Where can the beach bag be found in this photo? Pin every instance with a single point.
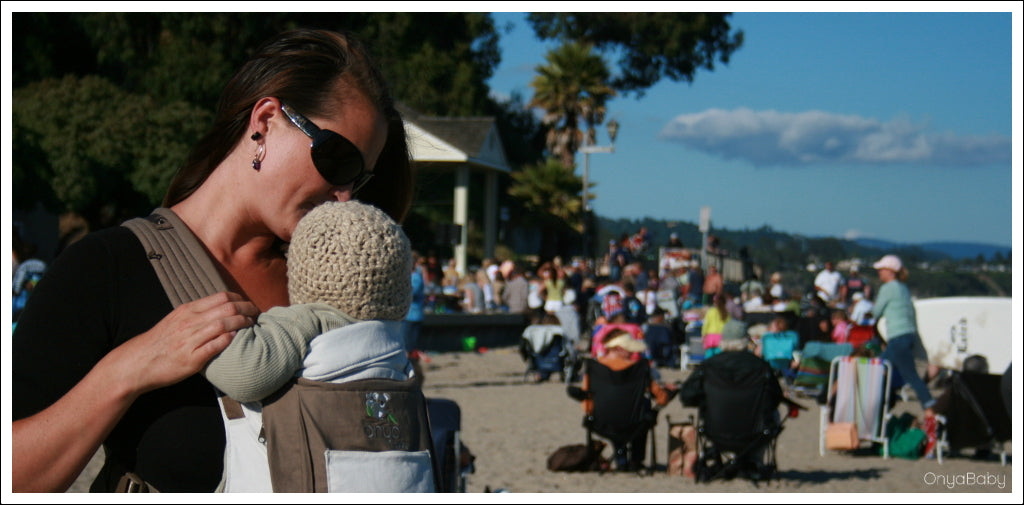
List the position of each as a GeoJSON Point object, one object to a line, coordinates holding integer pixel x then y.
{"type": "Point", "coordinates": [577, 458]}
{"type": "Point", "coordinates": [841, 437]}
{"type": "Point", "coordinates": [905, 440]}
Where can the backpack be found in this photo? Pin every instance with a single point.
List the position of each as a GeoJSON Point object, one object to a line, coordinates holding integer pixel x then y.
{"type": "Point", "coordinates": [285, 443]}
{"type": "Point", "coordinates": [905, 439]}
{"type": "Point", "coordinates": [578, 458]}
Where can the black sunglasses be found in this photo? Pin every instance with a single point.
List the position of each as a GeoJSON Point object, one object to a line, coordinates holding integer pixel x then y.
{"type": "Point", "coordinates": [336, 158]}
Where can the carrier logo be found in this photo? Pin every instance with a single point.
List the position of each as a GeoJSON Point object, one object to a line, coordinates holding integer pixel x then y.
{"type": "Point", "coordinates": [381, 423]}
{"type": "Point", "coordinates": [377, 407]}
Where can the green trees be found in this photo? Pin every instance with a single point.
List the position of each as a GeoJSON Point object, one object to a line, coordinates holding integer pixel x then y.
{"type": "Point", "coordinates": [651, 45]}
{"type": "Point", "coordinates": [548, 189]}
{"type": "Point", "coordinates": [86, 146]}
{"type": "Point", "coordinates": [550, 196]}
{"type": "Point", "coordinates": [107, 105]}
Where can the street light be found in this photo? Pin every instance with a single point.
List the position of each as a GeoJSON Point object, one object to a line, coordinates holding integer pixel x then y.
{"type": "Point", "coordinates": [613, 131]}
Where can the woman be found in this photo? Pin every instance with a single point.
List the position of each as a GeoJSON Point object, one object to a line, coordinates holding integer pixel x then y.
{"type": "Point", "coordinates": [894, 304]}
{"type": "Point", "coordinates": [124, 374]}
{"type": "Point", "coordinates": [554, 282]}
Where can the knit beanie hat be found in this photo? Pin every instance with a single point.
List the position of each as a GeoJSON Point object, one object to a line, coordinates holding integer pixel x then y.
{"type": "Point", "coordinates": [354, 257]}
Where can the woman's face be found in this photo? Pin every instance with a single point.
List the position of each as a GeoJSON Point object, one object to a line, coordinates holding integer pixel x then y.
{"type": "Point", "coordinates": [291, 184]}
{"type": "Point", "coordinates": [886, 275]}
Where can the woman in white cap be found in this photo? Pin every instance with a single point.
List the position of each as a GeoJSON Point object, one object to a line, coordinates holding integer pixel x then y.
{"type": "Point", "coordinates": [895, 305]}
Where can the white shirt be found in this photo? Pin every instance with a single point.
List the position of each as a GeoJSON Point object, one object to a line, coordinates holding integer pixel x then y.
{"type": "Point", "coordinates": [828, 283]}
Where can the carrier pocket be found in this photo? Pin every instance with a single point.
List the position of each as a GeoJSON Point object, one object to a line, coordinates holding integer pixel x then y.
{"type": "Point", "coordinates": [379, 472]}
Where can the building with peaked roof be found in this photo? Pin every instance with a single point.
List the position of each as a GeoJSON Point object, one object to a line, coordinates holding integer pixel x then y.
{"type": "Point", "coordinates": [461, 147]}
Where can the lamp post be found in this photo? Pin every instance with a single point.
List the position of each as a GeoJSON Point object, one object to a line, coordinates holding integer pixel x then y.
{"type": "Point", "coordinates": [613, 130]}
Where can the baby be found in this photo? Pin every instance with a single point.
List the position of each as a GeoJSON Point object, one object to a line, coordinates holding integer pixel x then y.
{"type": "Point", "coordinates": [327, 379]}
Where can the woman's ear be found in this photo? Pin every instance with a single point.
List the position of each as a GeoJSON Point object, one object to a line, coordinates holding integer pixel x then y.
{"type": "Point", "coordinates": [266, 108]}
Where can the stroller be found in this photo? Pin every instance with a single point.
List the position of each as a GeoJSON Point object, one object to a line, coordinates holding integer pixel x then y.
{"type": "Point", "coordinates": [975, 416]}
{"type": "Point", "coordinates": [738, 422]}
{"type": "Point", "coordinates": [546, 350]}
{"type": "Point", "coordinates": [454, 461]}
{"type": "Point", "coordinates": [623, 413]}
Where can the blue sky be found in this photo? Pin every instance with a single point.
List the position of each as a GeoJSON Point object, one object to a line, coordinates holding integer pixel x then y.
{"type": "Point", "coordinates": [888, 125]}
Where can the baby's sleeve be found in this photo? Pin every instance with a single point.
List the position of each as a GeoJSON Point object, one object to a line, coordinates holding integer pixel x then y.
{"type": "Point", "coordinates": [263, 357]}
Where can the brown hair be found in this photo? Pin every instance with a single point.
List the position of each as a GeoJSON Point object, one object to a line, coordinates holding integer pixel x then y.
{"type": "Point", "coordinates": [305, 68]}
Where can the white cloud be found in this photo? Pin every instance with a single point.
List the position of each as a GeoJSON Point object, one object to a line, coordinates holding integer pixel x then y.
{"type": "Point", "coordinates": [772, 138]}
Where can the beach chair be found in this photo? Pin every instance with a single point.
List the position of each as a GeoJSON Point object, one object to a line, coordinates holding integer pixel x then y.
{"type": "Point", "coordinates": [815, 361]}
{"type": "Point", "coordinates": [737, 396]}
{"type": "Point", "coordinates": [454, 462]}
{"type": "Point", "coordinates": [975, 416]}
{"type": "Point", "coordinates": [858, 395]}
{"type": "Point", "coordinates": [777, 349]}
{"type": "Point", "coordinates": [860, 334]}
{"type": "Point", "coordinates": [622, 409]}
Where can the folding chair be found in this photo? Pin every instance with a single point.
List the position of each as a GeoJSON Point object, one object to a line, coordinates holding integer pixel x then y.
{"type": "Point", "coordinates": [738, 396]}
{"type": "Point", "coordinates": [622, 409]}
{"type": "Point", "coordinates": [858, 393]}
{"type": "Point", "coordinates": [815, 362]}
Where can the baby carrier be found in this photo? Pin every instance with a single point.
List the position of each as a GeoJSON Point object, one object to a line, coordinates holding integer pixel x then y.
{"type": "Point", "coordinates": [360, 436]}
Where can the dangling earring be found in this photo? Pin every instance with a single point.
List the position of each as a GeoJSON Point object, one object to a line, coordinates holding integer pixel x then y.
{"type": "Point", "coordinates": [256, 161]}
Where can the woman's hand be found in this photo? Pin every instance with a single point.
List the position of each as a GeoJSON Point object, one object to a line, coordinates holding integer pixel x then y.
{"type": "Point", "coordinates": [52, 447]}
{"type": "Point", "coordinates": [182, 342]}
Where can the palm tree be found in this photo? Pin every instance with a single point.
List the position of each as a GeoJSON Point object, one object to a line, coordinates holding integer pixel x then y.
{"type": "Point", "coordinates": [550, 196]}
{"type": "Point", "coordinates": [572, 88]}
{"type": "Point", "coordinates": [546, 188]}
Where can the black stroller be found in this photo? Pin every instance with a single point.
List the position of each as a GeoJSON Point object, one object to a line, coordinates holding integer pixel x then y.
{"type": "Point", "coordinates": [546, 350]}
{"type": "Point", "coordinates": [738, 397]}
{"type": "Point", "coordinates": [454, 461]}
{"type": "Point", "coordinates": [974, 416]}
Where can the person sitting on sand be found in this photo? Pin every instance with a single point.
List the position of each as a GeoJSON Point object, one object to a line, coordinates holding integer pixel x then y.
{"type": "Point", "coordinates": [622, 350]}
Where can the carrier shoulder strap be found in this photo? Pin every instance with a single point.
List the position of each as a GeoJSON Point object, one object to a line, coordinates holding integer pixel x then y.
{"type": "Point", "coordinates": [181, 262]}
{"type": "Point", "coordinates": [185, 271]}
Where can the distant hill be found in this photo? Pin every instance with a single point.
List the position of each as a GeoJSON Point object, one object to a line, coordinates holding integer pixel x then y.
{"type": "Point", "coordinates": [954, 250]}
{"type": "Point", "coordinates": [779, 250]}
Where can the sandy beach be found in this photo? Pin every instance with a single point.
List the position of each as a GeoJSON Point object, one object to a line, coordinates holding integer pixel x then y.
{"type": "Point", "coordinates": [512, 426]}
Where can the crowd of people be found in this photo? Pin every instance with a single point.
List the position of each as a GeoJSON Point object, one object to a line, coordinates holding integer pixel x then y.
{"type": "Point", "coordinates": [663, 308]}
